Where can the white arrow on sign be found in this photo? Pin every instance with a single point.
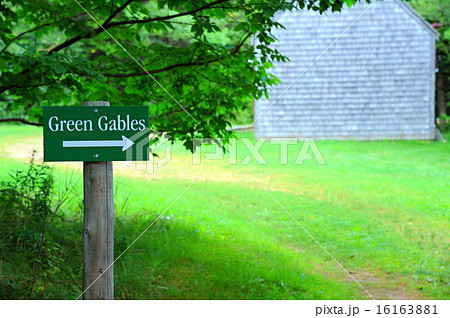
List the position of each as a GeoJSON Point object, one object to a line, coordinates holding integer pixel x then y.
{"type": "Point", "coordinates": [125, 143]}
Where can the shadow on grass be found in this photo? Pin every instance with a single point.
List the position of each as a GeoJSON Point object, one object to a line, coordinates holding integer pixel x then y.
{"type": "Point", "coordinates": [176, 261]}
{"type": "Point", "coordinates": [170, 261]}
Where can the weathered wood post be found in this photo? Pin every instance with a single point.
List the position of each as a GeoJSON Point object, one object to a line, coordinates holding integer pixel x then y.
{"type": "Point", "coordinates": [98, 239]}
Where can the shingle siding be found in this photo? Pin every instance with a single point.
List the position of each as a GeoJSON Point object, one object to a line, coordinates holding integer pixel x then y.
{"type": "Point", "coordinates": [375, 82]}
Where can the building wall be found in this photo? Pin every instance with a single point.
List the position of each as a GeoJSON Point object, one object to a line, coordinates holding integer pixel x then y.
{"type": "Point", "coordinates": [375, 82]}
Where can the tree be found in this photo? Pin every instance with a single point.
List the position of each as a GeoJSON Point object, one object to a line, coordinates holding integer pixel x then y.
{"type": "Point", "coordinates": [191, 62]}
{"type": "Point", "coordinates": [437, 12]}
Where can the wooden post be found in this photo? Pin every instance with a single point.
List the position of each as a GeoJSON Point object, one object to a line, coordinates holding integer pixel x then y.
{"type": "Point", "coordinates": [98, 243]}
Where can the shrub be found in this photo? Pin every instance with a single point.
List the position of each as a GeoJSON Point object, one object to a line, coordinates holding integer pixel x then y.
{"type": "Point", "coordinates": [27, 209]}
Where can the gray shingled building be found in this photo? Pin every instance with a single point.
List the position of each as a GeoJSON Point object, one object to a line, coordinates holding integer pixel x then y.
{"type": "Point", "coordinates": [374, 82]}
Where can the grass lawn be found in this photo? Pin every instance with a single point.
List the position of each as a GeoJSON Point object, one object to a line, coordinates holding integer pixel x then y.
{"type": "Point", "coordinates": [380, 208]}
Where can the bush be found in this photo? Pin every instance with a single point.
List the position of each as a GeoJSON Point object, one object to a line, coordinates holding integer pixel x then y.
{"type": "Point", "coordinates": [25, 205]}
{"type": "Point", "coordinates": [445, 122]}
{"type": "Point", "coordinates": [27, 209]}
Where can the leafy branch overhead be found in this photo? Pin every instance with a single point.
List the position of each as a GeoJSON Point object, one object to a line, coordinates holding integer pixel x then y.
{"type": "Point", "coordinates": [54, 53]}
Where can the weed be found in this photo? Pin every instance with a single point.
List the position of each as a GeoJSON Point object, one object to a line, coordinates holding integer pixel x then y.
{"type": "Point", "coordinates": [27, 209]}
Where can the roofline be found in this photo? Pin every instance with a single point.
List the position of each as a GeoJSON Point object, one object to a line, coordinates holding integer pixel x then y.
{"type": "Point", "coordinates": [418, 17]}
{"type": "Point", "coordinates": [408, 9]}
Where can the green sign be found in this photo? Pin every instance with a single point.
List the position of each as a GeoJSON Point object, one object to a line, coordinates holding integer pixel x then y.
{"type": "Point", "coordinates": [91, 133]}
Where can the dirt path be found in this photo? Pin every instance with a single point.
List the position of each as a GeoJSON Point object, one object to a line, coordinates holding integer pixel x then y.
{"type": "Point", "coordinates": [385, 286]}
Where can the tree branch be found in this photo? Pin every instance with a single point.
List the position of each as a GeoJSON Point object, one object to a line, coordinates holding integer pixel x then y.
{"type": "Point", "coordinates": [205, 78]}
{"type": "Point", "coordinates": [168, 17]}
{"type": "Point", "coordinates": [119, 9]}
{"type": "Point", "coordinates": [21, 120]}
{"type": "Point", "coordinates": [16, 85]}
{"type": "Point", "coordinates": [108, 25]}
{"type": "Point", "coordinates": [178, 110]}
{"type": "Point", "coordinates": [73, 40]}
{"type": "Point", "coordinates": [167, 68]}
{"type": "Point", "coordinates": [175, 111]}
{"type": "Point", "coordinates": [6, 88]}
{"type": "Point", "coordinates": [37, 28]}
{"type": "Point", "coordinates": [235, 50]}
{"type": "Point", "coordinates": [238, 47]}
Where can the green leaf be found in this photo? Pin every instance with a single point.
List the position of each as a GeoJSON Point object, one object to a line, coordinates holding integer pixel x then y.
{"type": "Point", "coordinates": [58, 68]}
{"type": "Point", "coordinates": [191, 57]}
{"type": "Point", "coordinates": [350, 3]}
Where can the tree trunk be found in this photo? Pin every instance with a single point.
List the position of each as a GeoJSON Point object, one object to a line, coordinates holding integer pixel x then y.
{"type": "Point", "coordinates": [440, 96]}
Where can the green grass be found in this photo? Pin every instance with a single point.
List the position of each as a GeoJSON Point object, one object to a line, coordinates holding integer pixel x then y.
{"type": "Point", "coordinates": [380, 208]}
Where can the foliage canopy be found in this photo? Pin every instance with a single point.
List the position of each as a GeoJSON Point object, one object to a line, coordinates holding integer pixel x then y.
{"type": "Point", "coordinates": [174, 56]}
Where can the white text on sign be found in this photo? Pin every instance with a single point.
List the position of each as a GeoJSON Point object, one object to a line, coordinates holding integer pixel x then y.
{"type": "Point", "coordinates": [103, 123]}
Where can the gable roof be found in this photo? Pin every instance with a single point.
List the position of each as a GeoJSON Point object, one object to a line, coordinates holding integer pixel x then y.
{"type": "Point", "coordinates": [406, 8]}
{"type": "Point", "coordinates": [413, 14]}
